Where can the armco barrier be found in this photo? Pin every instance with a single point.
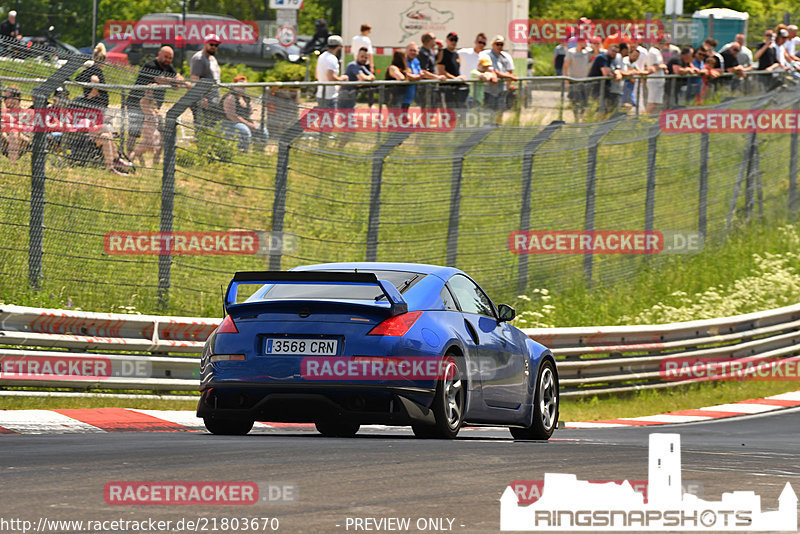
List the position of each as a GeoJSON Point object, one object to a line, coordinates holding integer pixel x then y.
{"type": "Point", "coordinates": [591, 360]}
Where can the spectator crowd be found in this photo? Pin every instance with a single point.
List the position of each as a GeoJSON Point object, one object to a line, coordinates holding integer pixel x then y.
{"type": "Point", "coordinates": [628, 75]}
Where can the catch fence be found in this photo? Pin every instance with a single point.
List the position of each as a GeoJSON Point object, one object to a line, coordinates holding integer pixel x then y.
{"type": "Point", "coordinates": [444, 197]}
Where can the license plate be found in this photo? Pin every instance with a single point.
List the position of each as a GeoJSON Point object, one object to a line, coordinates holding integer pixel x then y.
{"type": "Point", "coordinates": [302, 347]}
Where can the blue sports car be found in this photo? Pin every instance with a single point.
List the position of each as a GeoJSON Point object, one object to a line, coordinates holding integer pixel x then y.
{"type": "Point", "coordinates": [346, 344]}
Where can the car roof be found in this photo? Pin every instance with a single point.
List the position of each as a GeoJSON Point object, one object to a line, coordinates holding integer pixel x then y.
{"type": "Point", "coordinates": [441, 272]}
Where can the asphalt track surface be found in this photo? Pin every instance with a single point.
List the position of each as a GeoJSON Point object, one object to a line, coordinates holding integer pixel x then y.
{"type": "Point", "coordinates": [380, 473]}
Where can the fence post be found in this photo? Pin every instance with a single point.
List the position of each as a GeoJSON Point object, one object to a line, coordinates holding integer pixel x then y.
{"type": "Point", "coordinates": [744, 168]}
{"type": "Point", "coordinates": [650, 195]}
{"type": "Point", "coordinates": [41, 94]}
{"type": "Point", "coordinates": [749, 188]}
{"type": "Point", "coordinates": [527, 190]}
{"type": "Point", "coordinates": [561, 101]}
{"type": "Point", "coordinates": [378, 156]}
{"type": "Point", "coordinates": [591, 180]}
{"type": "Point", "coordinates": [702, 216]}
{"type": "Point", "coordinates": [281, 182]}
{"type": "Point", "coordinates": [793, 168]}
{"type": "Point", "coordinates": [191, 97]}
{"type": "Point", "coordinates": [455, 189]}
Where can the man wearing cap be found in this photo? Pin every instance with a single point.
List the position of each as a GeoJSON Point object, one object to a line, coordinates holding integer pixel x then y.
{"type": "Point", "coordinates": [503, 66]}
{"type": "Point", "coordinates": [484, 73]}
{"type": "Point", "coordinates": [449, 67]}
{"type": "Point", "coordinates": [204, 66]}
{"type": "Point", "coordinates": [327, 71]}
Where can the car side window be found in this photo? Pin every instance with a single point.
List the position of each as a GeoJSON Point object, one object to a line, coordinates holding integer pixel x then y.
{"type": "Point", "coordinates": [447, 298]}
{"type": "Point", "coordinates": [470, 297]}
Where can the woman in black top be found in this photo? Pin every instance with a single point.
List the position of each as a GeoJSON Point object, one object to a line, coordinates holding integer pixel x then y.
{"type": "Point", "coordinates": [396, 71]}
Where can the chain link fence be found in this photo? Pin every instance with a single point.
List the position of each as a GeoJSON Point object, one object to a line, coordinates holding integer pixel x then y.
{"type": "Point", "coordinates": [171, 166]}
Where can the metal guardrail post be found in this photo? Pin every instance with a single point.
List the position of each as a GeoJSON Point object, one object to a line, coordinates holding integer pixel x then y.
{"type": "Point", "coordinates": [281, 183]}
{"type": "Point", "coordinates": [650, 195]}
{"type": "Point", "coordinates": [527, 190]}
{"type": "Point", "coordinates": [702, 208]}
{"type": "Point", "coordinates": [168, 181]}
{"type": "Point", "coordinates": [793, 201]}
{"type": "Point", "coordinates": [378, 156]}
{"type": "Point", "coordinates": [41, 94]}
{"type": "Point", "coordinates": [455, 189]}
{"type": "Point", "coordinates": [561, 101]}
{"type": "Point", "coordinates": [591, 180]}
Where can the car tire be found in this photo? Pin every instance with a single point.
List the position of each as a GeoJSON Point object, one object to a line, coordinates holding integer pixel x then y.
{"type": "Point", "coordinates": [337, 429]}
{"type": "Point", "coordinates": [449, 403]}
{"type": "Point", "coordinates": [221, 427]}
{"type": "Point", "coordinates": [545, 406]}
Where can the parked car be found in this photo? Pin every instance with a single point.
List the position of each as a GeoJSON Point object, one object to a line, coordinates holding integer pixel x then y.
{"type": "Point", "coordinates": [47, 44]}
{"type": "Point", "coordinates": [464, 363]}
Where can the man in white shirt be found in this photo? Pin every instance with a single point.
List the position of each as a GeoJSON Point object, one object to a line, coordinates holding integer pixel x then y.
{"type": "Point", "coordinates": [328, 71]}
{"type": "Point", "coordinates": [576, 65]}
{"type": "Point", "coordinates": [362, 40]}
{"type": "Point", "coordinates": [468, 57]}
{"type": "Point", "coordinates": [655, 65]}
{"type": "Point", "coordinates": [793, 41]}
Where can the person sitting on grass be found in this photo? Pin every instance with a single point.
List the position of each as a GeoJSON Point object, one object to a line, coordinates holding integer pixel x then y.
{"type": "Point", "coordinates": [15, 141]}
{"type": "Point", "coordinates": [238, 110]}
{"type": "Point", "coordinates": [102, 135]}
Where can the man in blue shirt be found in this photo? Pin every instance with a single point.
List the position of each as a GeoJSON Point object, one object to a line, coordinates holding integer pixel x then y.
{"type": "Point", "coordinates": [413, 74]}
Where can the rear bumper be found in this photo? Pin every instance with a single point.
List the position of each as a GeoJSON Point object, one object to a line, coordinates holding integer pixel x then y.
{"type": "Point", "coordinates": [311, 403]}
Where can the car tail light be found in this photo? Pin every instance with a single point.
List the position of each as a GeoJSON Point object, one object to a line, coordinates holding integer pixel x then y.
{"type": "Point", "coordinates": [227, 326]}
{"type": "Point", "coordinates": [396, 326]}
{"type": "Point", "coordinates": [228, 358]}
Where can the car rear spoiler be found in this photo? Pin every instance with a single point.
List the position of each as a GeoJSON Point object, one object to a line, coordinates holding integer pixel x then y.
{"type": "Point", "coordinates": [397, 304]}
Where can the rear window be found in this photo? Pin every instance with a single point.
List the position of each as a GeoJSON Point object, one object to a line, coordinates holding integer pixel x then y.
{"type": "Point", "coordinates": [400, 279]}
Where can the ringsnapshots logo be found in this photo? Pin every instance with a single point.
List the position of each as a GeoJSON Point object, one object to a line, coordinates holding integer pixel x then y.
{"type": "Point", "coordinates": [557, 31]}
{"type": "Point", "coordinates": [51, 120]}
{"type": "Point", "coordinates": [730, 121]}
{"type": "Point", "coordinates": [604, 242]}
{"type": "Point", "coordinates": [325, 120]}
{"type": "Point", "coordinates": [193, 243]}
{"type": "Point", "coordinates": [176, 32]}
{"type": "Point", "coordinates": [569, 504]}
{"type": "Point", "coordinates": [754, 368]}
{"type": "Point", "coordinates": [530, 491]}
{"type": "Point", "coordinates": [199, 493]}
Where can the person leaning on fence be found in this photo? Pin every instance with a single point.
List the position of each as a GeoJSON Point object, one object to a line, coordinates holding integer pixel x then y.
{"type": "Point", "coordinates": [237, 107]}
{"type": "Point", "coordinates": [680, 65]}
{"type": "Point", "coordinates": [448, 66]}
{"type": "Point", "coordinates": [484, 74]}
{"type": "Point", "coordinates": [656, 68]}
{"type": "Point", "coordinates": [396, 72]}
{"type": "Point", "coordinates": [95, 68]}
{"type": "Point", "coordinates": [100, 136]}
{"type": "Point", "coordinates": [500, 94]}
{"type": "Point", "coordinates": [14, 141]}
{"type": "Point", "coordinates": [745, 56]}
{"type": "Point", "coordinates": [204, 66]}
{"type": "Point", "coordinates": [357, 71]}
{"type": "Point", "coordinates": [157, 71]}
{"type": "Point", "coordinates": [150, 140]}
{"type": "Point", "coordinates": [427, 63]}
{"type": "Point", "coordinates": [710, 75]}
{"type": "Point", "coordinates": [468, 57]}
{"type": "Point", "coordinates": [632, 65]}
{"type": "Point", "coordinates": [328, 71]}
{"type": "Point", "coordinates": [603, 67]}
{"type": "Point", "coordinates": [413, 74]}
{"type": "Point", "coordinates": [576, 65]}
{"type": "Point", "coordinates": [730, 58]}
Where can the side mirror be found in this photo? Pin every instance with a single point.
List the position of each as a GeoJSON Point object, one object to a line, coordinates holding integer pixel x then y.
{"type": "Point", "coordinates": [506, 313]}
